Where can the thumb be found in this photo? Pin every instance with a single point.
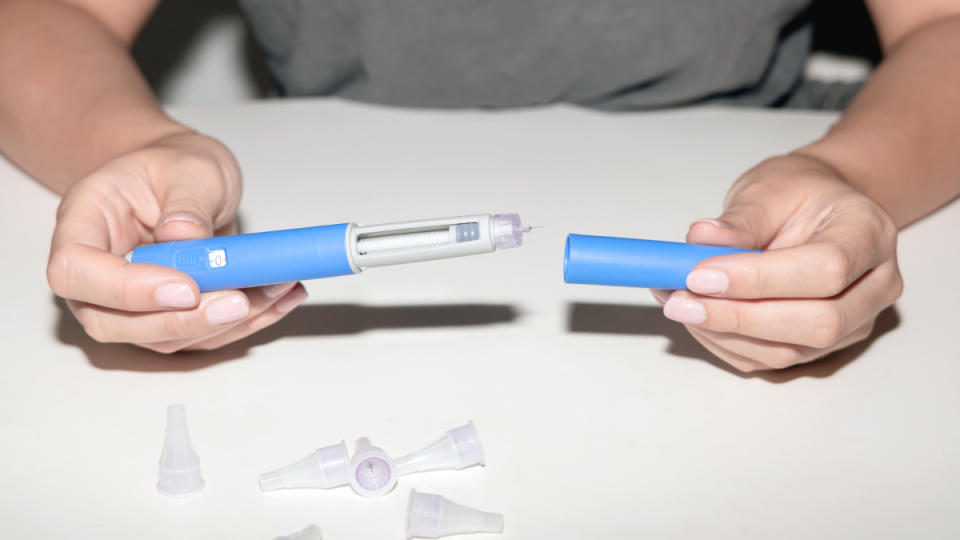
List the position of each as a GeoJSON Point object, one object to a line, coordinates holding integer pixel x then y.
{"type": "Point", "coordinates": [192, 198]}
{"type": "Point", "coordinates": [180, 225]}
{"type": "Point", "coordinates": [743, 225]}
{"type": "Point", "coordinates": [762, 201]}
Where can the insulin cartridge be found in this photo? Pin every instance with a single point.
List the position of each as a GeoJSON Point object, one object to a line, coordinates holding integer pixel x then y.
{"type": "Point", "coordinates": [250, 260]}
{"type": "Point", "coordinates": [631, 262]}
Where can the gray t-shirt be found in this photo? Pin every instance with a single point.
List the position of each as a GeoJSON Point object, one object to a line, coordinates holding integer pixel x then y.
{"type": "Point", "coordinates": [615, 54]}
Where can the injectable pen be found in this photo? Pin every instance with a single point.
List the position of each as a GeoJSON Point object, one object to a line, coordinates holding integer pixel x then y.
{"type": "Point", "coordinates": [250, 260]}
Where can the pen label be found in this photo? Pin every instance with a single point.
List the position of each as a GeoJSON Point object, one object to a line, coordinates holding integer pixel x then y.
{"type": "Point", "coordinates": [195, 260]}
{"type": "Point", "coordinates": [217, 258]}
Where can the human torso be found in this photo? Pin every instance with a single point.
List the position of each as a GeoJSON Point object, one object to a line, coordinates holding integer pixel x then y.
{"type": "Point", "coordinates": [507, 53]}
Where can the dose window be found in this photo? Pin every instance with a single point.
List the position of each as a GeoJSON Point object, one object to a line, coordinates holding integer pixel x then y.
{"type": "Point", "coordinates": [218, 258]}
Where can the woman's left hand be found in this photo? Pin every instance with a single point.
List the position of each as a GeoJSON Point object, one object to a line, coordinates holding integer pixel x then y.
{"type": "Point", "coordinates": [829, 268]}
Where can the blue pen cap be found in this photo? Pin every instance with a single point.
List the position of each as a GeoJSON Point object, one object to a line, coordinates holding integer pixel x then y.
{"type": "Point", "coordinates": [632, 262]}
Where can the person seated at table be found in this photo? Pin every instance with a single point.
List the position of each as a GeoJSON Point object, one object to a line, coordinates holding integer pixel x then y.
{"type": "Point", "coordinates": [76, 114]}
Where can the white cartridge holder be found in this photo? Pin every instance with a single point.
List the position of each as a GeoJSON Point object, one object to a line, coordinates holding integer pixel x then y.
{"type": "Point", "coordinates": [326, 468]}
{"type": "Point", "coordinates": [456, 449]}
{"type": "Point", "coordinates": [430, 239]}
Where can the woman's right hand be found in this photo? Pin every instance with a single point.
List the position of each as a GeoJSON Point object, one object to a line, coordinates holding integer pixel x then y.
{"type": "Point", "coordinates": [180, 187]}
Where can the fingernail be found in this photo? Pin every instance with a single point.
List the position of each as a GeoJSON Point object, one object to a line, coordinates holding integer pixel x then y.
{"type": "Point", "coordinates": [711, 221]}
{"type": "Point", "coordinates": [661, 295]}
{"type": "Point", "coordinates": [181, 216]}
{"type": "Point", "coordinates": [707, 281]}
{"type": "Point", "coordinates": [685, 310]}
{"type": "Point", "coordinates": [228, 309]}
{"type": "Point", "coordinates": [175, 295]}
{"type": "Point", "coordinates": [293, 299]}
{"type": "Point", "coordinates": [273, 291]}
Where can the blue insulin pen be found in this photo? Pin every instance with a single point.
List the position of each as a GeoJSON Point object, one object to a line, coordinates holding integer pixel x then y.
{"type": "Point", "coordinates": [631, 262]}
{"type": "Point", "coordinates": [251, 260]}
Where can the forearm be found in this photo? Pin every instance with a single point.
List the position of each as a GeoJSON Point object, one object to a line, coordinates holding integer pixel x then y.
{"type": "Point", "coordinates": [71, 98]}
{"type": "Point", "coordinates": [899, 141]}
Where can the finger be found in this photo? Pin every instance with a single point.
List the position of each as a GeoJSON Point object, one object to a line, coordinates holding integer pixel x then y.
{"type": "Point", "coordinates": [751, 219]}
{"type": "Point", "coordinates": [266, 309]}
{"type": "Point", "coordinates": [83, 267]}
{"type": "Point", "coordinates": [261, 300]}
{"type": "Point", "coordinates": [739, 362]}
{"type": "Point", "coordinates": [834, 258]}
{"type": "Point", "coordinates": [818, 323]}
{"type": "Point", "coordinates": [87, 274]}
{"type": "Point", "coordinates": [195, 198]}
{"type": "Point", "coordinates": [661, 295]}
{"type": "Point", "coordinates": [279, 310]}
{"type": "Point", "coordinates": [216, 311]}
{"type": "Point", "coordinates": [741, 351]}
{"type": "Point", "coordinates": [759, 204]}
{"type": "Point", "coordinates": [715, 232]}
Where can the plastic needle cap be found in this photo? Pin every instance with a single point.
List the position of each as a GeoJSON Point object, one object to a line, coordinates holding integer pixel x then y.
{"type": "Point", "coordinates": [456, 449]}
{"type": "Point", "coordinates": [372, 472]}
{"type": "Point", "coordinates": [179, 465]}
{"type": "Point", "coordinates": [433, 516]}
{"type": "Point", "coordinates": [328, 467]}
{"type": "Point", "coordinates": [508, 231]}
{"type": "Point", "coordinates": [312, 532]}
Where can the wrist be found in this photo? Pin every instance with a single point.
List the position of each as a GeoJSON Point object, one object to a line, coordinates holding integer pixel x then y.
{"type": "Point", "coordinates": [851, 165]}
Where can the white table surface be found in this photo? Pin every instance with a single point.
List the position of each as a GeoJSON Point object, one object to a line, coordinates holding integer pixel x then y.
{"type": "Point", "coordinates": [600, 418]}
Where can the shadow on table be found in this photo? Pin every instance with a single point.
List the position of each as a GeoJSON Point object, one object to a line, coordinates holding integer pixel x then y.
{"type": "Point", "coordinates": [307, 320]}
{"type": "Point", "coordinates": [649, 321]}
